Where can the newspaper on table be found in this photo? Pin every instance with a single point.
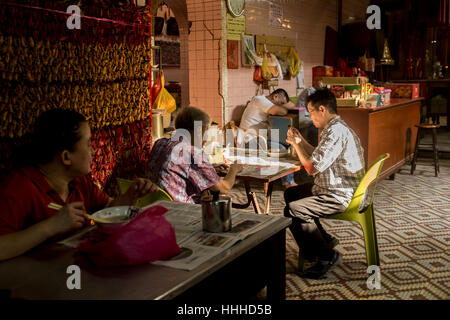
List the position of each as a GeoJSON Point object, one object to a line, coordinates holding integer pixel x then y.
{"type": "Point", "coordinates": [73, 240]}
{"type": "Point", "coordinates": [198, 246]}
{"type": "Point", "coordinates": [257, 165]}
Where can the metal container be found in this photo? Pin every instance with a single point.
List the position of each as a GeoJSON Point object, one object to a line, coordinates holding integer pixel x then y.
{"type": "Point", "coordinates": [157, 125]}
{"type": "Point", "coordinates": [216, 215]}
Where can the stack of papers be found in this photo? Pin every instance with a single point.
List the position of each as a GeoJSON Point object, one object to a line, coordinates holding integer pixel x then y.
{"type": "Point", "coordinates": [198, 246]}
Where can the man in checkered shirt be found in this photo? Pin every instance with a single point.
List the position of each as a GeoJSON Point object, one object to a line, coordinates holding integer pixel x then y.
{"type": "Point", "coordinates": [337, 165]}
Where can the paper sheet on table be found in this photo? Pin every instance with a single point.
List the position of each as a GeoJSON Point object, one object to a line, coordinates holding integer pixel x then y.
{"type": "Point", "coordinates": [73, 240]}
{"type": "Point", "coordinates": [242, 156]}
{"type": "Point", "coordinates": [198, 246]}
{"type": "Point", "coordinates": [258, 166]}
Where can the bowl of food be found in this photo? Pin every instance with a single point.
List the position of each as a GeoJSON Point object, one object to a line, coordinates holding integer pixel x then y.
{"type": "Point", "coordinates": [114, 217]}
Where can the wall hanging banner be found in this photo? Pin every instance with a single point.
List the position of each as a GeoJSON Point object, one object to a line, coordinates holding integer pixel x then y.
{"type": "Point", "coordinates": [101, 70]}
{"type": "Point", "coordinates": [170, 51]}
{"type": "Point", "coordinates": [235, 27]}
{"type": "Point", "coordinates": [232, 54]}
{"type": "Point", "coordinates": [105, 24]}
{"type": "Point", "coordinates": [249, 56]}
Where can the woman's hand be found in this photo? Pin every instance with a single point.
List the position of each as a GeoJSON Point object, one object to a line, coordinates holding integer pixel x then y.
{"type": "Point", "coordinates": [225, 184]}
{"type": "Point", "coordinates": [221, 167]}
{"type": "Point", "coordinates": [139, 188]}
{"type": "Point", "coordinates": [71, 216]}
{"type": "Point", "coordinates": [236, 168]}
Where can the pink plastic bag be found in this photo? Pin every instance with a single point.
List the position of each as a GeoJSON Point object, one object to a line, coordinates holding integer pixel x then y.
{"type": "Point", "coordinates": [148, 237]}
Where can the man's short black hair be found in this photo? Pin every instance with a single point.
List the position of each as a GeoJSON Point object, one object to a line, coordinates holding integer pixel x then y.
{"type": "Point", "coordinates": [325, 98]}
{"type": "Point", "coordinates": [282, 92]}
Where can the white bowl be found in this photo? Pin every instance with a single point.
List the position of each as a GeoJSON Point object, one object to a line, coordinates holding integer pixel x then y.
{"type": "Point", "coordinates": [115, 215]}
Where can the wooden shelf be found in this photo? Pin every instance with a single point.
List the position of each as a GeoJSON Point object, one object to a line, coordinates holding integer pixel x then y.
{"type": "Point", "coordinates": [351, 103]}
{"type": "Point", "coordinates": [342, 81]}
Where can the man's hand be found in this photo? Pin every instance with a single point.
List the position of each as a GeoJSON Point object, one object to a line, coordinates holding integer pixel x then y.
{"type": "Point", "coordinates": [290, 105]}
{"type": "Point", "coordinates": [290, 140]}
{"type": "Point", "coordinates": [294, 132]}
{"type": "Point", "coordinates": [294, 136]}
{"type": "Point", "coordinates": [71, 216]}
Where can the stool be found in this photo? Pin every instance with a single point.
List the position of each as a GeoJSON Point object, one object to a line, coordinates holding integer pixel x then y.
{"type": "Point", "coordinates": [433, 127]}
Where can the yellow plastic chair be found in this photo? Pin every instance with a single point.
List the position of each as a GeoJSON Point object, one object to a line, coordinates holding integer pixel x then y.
{"type": "Point", "coordinates": [360, 209]}
{"type": "Point", "coordinates": [124, 184]}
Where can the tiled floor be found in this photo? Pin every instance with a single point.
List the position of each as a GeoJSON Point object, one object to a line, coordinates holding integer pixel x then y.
{"type": "Point", "coordinates": [413, 225]}
{"type": "Point", "coordinates": [443, 142]}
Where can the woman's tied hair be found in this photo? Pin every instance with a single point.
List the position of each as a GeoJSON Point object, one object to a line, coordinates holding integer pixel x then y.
{"type": "Point", "coordinates": [55, 130]}
{"type": "Point", "coordinates": [188, 115]}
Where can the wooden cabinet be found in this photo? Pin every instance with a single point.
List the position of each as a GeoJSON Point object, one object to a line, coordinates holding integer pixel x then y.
{"type": "Point", "coordinates": [386, 129]}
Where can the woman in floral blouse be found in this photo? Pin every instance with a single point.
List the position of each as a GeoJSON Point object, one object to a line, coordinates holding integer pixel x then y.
{"type": "Point", "coordinates": [181, 167]}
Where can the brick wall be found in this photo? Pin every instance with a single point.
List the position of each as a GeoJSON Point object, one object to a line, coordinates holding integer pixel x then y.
{"type": "Point", "coordinates": [205, 80]}
{"type": "Point", "coordinates": [308, 20]}
{"type": "Point", "coordinates": [204, 56]}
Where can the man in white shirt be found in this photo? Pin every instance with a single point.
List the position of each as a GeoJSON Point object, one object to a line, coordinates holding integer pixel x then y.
{"type": "Point", "coordinates": [256, 115]}
{"type": "Point", "coordinates": [256, 118]}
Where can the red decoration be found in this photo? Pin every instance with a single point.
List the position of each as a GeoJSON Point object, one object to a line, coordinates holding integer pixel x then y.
{"type": "Point", "coordinates": [119, 151]}
{"type": "Point", "coordinates": [232, 54]}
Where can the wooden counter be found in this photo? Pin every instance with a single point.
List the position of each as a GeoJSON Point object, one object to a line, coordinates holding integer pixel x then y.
{"type": "Point", "coordinates": [386, 129]}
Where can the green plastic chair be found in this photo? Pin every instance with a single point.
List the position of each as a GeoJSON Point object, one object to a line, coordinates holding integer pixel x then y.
{"type": "Point", "coordinates": [124, 184]}
{"type": "Point", "coordinates": [362, 211]}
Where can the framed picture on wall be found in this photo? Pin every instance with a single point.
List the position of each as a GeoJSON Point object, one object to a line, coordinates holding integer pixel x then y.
{"type": "Point", "coordinates": [233, 54]}
{"type": "Point", "coordinates": [248, 50]}
{"type": "Point", "coordinates": [170, 51]}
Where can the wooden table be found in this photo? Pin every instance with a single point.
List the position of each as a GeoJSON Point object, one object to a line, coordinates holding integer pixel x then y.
{"type": "Point", "coordinates": [386, 129]}
{"type": "Point", "coordinates": [264, 177]}
{"type": "Point", "coordinates": [268, 181]}
{"type": "Point", "coordinates": [42, 273]}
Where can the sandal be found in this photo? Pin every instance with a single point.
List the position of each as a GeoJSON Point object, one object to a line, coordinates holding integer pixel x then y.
{"type": "Point", "coordinates": [322, 267]}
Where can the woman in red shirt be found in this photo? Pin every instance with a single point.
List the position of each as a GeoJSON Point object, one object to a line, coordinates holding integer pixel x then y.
{"type": "Point", "coordinates": [59, 160]}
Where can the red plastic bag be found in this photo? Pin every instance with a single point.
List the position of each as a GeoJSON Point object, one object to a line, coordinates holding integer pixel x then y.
{"type": "Point", "coordinates": [257, 74]}
{"type": "Point", "coordinates": [148, 237]}
{"type": "Point", "coordinates": [156, 88]}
